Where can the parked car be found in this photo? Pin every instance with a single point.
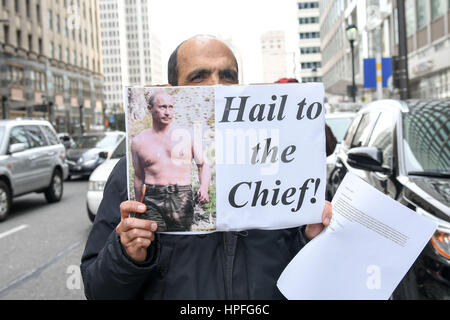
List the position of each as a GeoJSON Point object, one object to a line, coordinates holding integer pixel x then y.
{"type": "Point", "coordinates": [66, 140]}
{"type": "Point", "coordinates": [98, 179]}
{"type": "Point", "coordinates": [338, 123]}
{"type": "Point", "coordinates": [90, 150]}
{"type": "Point", "coordinates": [403, 150]}
{"type": "Point", "coordinates": [32, 159]}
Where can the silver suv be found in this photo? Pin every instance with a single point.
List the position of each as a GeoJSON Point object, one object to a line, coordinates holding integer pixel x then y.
{"type": "Point", "coordinates": [32, 159]}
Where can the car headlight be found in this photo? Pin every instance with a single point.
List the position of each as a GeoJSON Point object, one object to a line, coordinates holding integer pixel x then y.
{"type": "Point", "coordinates": [80, 160]}
{"type": "Point", "coordinates": [90, 162]}
{"type": "Point", "coordinates": [441, 238]}
{"type": "Point", "coordinates": [441, 243]}
{"type": "Point", "coordinates": [96, 185]}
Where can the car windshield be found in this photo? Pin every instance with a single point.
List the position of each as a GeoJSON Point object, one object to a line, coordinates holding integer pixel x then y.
{"type": "Point", "coordinates": [120, 151]}
{"type": "Point", "coordinates": [426, 141]}
{"type": "Point", "coordinates": [95, 141]}
{"type": "Point", "coordinates": [339, 127]}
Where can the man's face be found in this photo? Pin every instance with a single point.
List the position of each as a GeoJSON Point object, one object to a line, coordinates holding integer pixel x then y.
{"type": "Point", "coordinates": [203, 62]}
{"type": "Point", "coordinates": [162, 111]}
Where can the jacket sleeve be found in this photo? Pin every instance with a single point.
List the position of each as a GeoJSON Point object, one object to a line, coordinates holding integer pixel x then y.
{"type": "Point", "coordinates": [107, 271]}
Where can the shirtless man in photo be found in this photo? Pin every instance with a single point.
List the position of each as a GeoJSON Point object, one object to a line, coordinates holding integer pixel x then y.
{"type": "Point", "coordinates": [162, 160]}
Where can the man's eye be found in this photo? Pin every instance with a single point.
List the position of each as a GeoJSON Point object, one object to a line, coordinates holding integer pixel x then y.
{"type": "Point", "coordinates": [197, 77]}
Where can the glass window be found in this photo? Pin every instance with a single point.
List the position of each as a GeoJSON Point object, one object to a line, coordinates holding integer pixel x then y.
{"type": "Point", "coordinates": [351, 130]}
{"type": "Point", "coordinates": [421, 13]}
{"type": "Point", "coordinates": [52, 138]}
{"type": "Point", "coordinates": [36, 137]}
{"type": "Point", "coordinates": [364, 129]}
{"type": "Point", "coordinates": [338, 126]}
{"type": "Point", "coordinates": [18, 135]}
{"type": "Point", "coordinates": [437, 9]}
{"type": "Point", "coordinates": [120, 151]}
{"type": "Point", "coordinates": [426, 138]}
{"type": "Point", "coordinates": [382, 137]}
{"type": "Point", "coordinates": [410, 18]}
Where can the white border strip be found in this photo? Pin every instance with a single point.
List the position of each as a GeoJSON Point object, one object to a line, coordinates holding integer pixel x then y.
{"type": "Point", "coordinates": [7, 233]}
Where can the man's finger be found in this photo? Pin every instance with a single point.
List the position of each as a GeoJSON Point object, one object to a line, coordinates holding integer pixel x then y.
{"type": "Point", "coordinates": [139, 243]}
{"type": "Point", "coordinates": [134, 223]}
{"type": "Point", "coordinates": [132, 234]}
{"type": "Point", "coordinates": [127, 207]}
{"type": "Point", "coordinates": [327, 213]}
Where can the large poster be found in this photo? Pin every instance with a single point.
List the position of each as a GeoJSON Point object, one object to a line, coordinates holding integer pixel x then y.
{"type": "Point", "coordinates": [227, 158]}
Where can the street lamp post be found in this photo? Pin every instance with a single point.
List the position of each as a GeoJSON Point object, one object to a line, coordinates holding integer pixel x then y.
{"type": "Point", "coordinates": [352, 32]}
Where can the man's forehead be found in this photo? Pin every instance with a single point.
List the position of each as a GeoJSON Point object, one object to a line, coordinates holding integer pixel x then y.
{"type": "Point", "coordinates": [199, 52]}
{"type": "Point", "coordinates": [163, 96]}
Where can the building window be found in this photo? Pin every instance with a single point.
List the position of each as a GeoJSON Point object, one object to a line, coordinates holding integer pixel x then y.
{"type": "Point", "coordinates": [15, 76]}
{"type": "Point", "coordinates": [308, 5]}
{"type": "Point", "coordinates": [437, 9]}
{"type": "Point", "coordinates": [30, 42]}
{"type": "Point", "coordinates": [73, 88]}
{"type": "Point", "coordinates": [58, 83]}
{"type": "Point", "coordinates": [19, 38]}
{"type": "Point", "coordinates": [422, 13]}
{"type": "Point", "coordinates": [39, 80]}
{"type": "Point", "coordinates": [38, 13]}
{"type": "Point", "coordinates": [309, 35]}
{"type": "Point", "coordinates": [308, 20]}
{"type": "Point", "coordinates": [6, 33]}
{"type": "Point", "coordinates": [50, 19]}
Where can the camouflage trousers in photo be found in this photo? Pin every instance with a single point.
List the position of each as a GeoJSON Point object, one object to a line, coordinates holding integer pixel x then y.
{"type": "Point", "coordinates": [171, 207]}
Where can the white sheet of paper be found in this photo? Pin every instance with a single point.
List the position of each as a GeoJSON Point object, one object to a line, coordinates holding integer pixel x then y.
{"type": "Point", "coordinates": [370, 244]}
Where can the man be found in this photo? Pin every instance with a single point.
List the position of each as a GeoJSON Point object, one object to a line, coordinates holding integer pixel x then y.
{"type": "Point", "coordinates": [125, 259]}
{"type": "Point", "coordinates": [162, 165]}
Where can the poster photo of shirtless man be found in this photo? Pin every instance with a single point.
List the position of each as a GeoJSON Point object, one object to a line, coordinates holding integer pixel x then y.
{"type": "Point", "coordinates": [169, 169]}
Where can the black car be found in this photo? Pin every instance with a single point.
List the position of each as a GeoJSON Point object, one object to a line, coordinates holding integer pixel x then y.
{"type": "Point", "coordinates": [402, 148]}
{"type": "Point", "coordinates": [90, 150]}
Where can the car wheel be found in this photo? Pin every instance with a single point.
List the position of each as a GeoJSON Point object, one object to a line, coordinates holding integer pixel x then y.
{"type": "Point", "coordinates": [5, 200]}
{"type": "Point", "coordinates": [90, 215]}
{"type": "Point", "coordinates": [55, 190]}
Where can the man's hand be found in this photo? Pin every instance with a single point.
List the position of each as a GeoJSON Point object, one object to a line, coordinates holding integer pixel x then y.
{"type": "Point", "coordinates": [312, 230]}
{"type": "Point", "coordinates": [136, 235]}
{"type": "Point", "coordinates": [203, 195]}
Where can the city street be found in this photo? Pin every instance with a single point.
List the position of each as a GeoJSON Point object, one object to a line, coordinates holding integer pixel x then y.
{"type": "Point", "coordinates": [42, 244]}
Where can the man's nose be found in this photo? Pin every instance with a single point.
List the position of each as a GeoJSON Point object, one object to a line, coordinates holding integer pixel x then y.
{"type": "Point", "coordinates": [213, 79]}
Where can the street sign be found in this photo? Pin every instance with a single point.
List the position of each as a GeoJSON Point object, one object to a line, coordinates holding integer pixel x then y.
{"type": "Point", "coordinates": [370, 72]}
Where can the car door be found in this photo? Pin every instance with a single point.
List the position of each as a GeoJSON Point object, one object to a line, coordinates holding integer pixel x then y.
{"type": "Point", "coordinates": [361, 137]}
{"type": "Point", "coordinates": [382, 137]}
{"type": "Point", "coordinates": [41, 162]}
{"type": "Point", "coordinates": [54, 150]}
{"type": "Point", "coordinates": [19, 163]}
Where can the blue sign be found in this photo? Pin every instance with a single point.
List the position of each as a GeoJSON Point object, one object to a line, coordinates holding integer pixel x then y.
{"type": "Point", "coordinates": [112, 119]}
{"type": "Point", "coordinates": [370, 72]}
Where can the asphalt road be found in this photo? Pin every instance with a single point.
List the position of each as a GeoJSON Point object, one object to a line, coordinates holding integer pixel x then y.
{"type": "Point", "coordinates": [41, 246]}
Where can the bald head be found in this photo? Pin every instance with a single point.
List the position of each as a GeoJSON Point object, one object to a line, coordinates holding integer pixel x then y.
{"type": "Point", "coordinates": [202, 60]}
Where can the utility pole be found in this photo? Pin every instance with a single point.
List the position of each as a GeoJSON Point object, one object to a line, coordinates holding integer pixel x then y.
{"type": "Point", "coordinates": [402, 51]}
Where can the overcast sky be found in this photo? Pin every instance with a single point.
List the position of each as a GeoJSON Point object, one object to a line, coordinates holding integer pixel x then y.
{"type": "Point", "coordinates": [244, 21]}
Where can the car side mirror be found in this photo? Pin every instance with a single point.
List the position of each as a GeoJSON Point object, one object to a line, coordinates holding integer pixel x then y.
{"type": "Point", "coordinates": [366, 158]}
{"type": "Point", "coordinates": [16, 147]}
{"type": "Point", "coordinates": [103, 155]}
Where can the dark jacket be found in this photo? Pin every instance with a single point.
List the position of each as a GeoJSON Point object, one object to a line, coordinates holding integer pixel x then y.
{"type": "Point", "coordinates": [221, 265]}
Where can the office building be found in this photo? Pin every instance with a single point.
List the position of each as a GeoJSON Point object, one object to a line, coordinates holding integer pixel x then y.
{"type": "Point", "coordinates": [50, 62]}
{"type": "Point", "coordinates": [131, 52]}
{"type": "Point", "coordinates": [274, 56]}
{"type": "Point", "coordinates": [309, 41]}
